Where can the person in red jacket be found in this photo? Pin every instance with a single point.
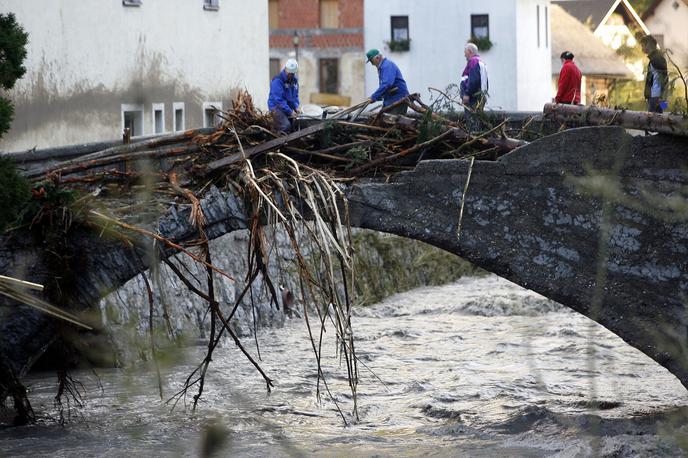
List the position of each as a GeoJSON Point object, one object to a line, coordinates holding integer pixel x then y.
{"type": "Point", "coordinates": [569, 87]}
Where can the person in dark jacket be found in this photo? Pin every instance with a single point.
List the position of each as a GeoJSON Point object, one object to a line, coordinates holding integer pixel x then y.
{"type": "Point", "coordinates": [474, 86]}
{"type": "Point", "coordinates": [283, 101]}
{"type": "Point", "coordinates": [392, 87]}
{"type": "Point", "coordinates": [657, 76]}
{"type": "Point", "coordinates": [569, 85]}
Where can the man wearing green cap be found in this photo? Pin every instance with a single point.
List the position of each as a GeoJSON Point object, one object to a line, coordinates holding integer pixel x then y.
{"type": "Point", "coordinates": [392, 86]}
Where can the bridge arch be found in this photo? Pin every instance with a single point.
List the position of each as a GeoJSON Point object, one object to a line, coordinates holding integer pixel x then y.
{"type": "Point", "coordinates": [591, 218]}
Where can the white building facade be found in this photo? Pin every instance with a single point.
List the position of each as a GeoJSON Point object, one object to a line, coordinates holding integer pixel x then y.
{"type": "Point", "coordinates": [668, 22]}
{"type": "Point", "coordinates": [518, 63]}
{"type": "Point", "coordinates": [154, 66]}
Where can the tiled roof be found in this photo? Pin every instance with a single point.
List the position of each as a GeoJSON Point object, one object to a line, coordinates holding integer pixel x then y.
{"type": "Point", "coordinates": [591, 55]}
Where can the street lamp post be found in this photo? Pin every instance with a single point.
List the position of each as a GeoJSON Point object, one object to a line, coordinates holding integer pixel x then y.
{"type": "Point", "coordinates": [295, 40]}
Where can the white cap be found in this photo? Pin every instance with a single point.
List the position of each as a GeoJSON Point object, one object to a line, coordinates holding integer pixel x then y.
{"type": "Point", "coordinates": [292, 66]}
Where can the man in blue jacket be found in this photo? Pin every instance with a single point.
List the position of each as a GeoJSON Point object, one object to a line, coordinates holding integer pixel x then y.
{"type": "Point", "coordinates": [392, 86]}
{"type": "Point", "coordinates": [283, 101]}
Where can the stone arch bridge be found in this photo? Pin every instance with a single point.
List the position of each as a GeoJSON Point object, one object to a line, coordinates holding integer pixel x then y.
{"type": "Point", "coordinates": [592, 218]}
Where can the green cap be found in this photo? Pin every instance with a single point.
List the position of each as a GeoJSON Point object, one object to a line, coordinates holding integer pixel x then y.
{"type": "Point", "coordinates": [371, 54]}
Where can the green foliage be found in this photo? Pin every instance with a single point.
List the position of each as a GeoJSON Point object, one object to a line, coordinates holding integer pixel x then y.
{"type": "Point", "coordinates": [358, 156]}
{"type": "Point", "coordinates": [14, 193]}
{"type": "Point", "coordinates": [387, 264]}
{"type": "Point", "coordinates": [325, 138]}
{"type": "Point", "coordinates": [627, 94]}
{"type": "Point", "coordinates": [630, 53]}
{"type": "Point", "coordinates": [6, 115]}
{"type": "Point", "coordinates": [428, 128]}
{"type": "Point", "coordinates": [483, 43]}
{"type": "Point", "coordinates": [399, 45]}
{"type": "Point", "coordinates": [13, 42]}
{"type": "Point", "coordinates": [640, 6]}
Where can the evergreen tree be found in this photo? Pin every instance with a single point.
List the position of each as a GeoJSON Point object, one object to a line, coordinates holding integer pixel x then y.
{"type": "Point", "coordinates": [13, 41]}
{"type": "Point", "coordinates": [640, 5]}
{"type": "Point", "coordinates": [14, 189]}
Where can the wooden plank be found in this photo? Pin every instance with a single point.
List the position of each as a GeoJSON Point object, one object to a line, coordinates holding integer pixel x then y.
{"type": "Point", "coordinates": [265, 147]}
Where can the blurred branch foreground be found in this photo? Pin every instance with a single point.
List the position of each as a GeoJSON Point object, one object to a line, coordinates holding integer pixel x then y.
{"type": "Point", "coordinates": [589, 217]}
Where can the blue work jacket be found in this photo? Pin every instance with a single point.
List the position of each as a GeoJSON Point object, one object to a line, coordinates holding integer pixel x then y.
{"type": "Point", "coordinates": [284, 94]}
{"type": "Point", "coordinates": [390, 78]}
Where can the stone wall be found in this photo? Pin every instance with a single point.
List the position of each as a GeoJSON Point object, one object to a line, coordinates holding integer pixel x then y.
{"type": "Point", "coordinates": [385, 264]}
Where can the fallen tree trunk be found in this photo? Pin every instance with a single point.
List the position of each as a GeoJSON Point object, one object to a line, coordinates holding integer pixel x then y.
{"type": "Point", "coordinates": [157, 153]}
{"type": "Point", "coordinates": [595, 116]}
{"type": "Point", "coordinates": [125, 149]}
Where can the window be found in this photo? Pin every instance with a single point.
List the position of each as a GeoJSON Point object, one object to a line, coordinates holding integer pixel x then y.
{"type": "Point", "coordinates": [211, 111]}
{"type": "Point", "coordinates": [132, 2]}
{"type": "Point", "coordinates": [132, 119]}
{"type": "Point", "coordinates": [158, 118]}
{"type": "Point", "coordinates": [179, 122]}
{"type": "Point", "coordinates": [273, 14]}
{"type": "Point", "coordinates": [211, 5]}
{"type": "Point", "coordinates": [537, 12]}
{"type": "Point", "coordinates": [480, 26]}
{"type": "Point", "coordinates": [400, 28]}
{"type": "Point", "coordinates": [275, 68]}
{"type": "Point", "coordinates": [329, 14]}
{"type": "Point", "coordinates": [329, 76]}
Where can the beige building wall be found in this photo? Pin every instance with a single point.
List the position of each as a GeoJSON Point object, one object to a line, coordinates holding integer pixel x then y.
{"type": "Point", "coordinates": [88, 61]}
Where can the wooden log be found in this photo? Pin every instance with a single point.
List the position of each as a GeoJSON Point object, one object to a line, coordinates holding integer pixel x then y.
{"type": "Point", "coordinates": [167, 151]}
{"type": "Point", "coordinates": [265, 147]}
{"type": "Point", "coordinates": [595, 116]}
{"type": "Point", "coordinates": [149, 144]}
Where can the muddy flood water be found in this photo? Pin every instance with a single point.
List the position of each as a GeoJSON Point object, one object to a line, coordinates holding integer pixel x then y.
{"type": "Point", "coordinates": [480, 367]}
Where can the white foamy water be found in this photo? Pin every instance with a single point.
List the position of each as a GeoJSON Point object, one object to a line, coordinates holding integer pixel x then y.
{"type": "Point", "coordinates": [480, 367]}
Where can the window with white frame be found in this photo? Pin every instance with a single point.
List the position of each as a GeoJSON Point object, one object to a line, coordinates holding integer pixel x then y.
{"type": "Point", "coordinates": [211, 111]}
{"type": "Point", "coordinates": [158, 112]}
{"type": "Point", "coordinates": [132, 119]}
{"type": "Point", "coordinates": [211, 5]}
{"type": "Point", "coordinates": [179, 116]}
{"type": "Point", "coordinates": [132, 2]}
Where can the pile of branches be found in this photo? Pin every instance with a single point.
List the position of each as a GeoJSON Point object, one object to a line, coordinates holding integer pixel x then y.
{"type": "Point", "coordinates": [348, 146]}
{"type": "Point", "coordinates": [284, 179]}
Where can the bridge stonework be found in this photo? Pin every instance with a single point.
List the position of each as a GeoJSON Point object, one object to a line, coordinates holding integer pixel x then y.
{"type": "Point", "coordinates": [576, 216]}
{"type": "Point", "coordinates": [592, 218]}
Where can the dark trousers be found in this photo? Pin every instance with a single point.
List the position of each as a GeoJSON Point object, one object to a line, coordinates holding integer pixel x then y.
{"type": "Point", "coordinates": [653, 105]}
{"type": "Point", "coordinates": [472, 117]}
{"type": "Point", "coordinates": [398, 110]}
{"type": "Point", "coordinates": [281, 122]}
